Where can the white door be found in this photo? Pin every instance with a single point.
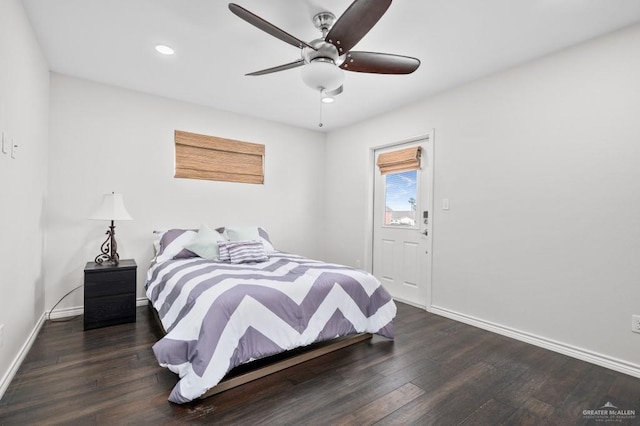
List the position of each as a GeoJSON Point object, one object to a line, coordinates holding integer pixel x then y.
{"type": "Point", "coordinates": [402, 227]}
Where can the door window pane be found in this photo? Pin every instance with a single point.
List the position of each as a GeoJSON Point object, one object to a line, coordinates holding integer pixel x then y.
{"type": "Point", "coordinates": [401, 197]}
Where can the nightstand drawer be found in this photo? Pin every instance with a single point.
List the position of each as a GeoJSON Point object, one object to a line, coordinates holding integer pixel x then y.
{"type": "Point", "coordinates": [124, 282]}
{"type": "Point", "coordinates": [110, 276]}
{"type": "Point", "coordinates": [109, 310]}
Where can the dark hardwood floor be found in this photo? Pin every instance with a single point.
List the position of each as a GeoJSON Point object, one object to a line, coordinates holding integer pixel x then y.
{"type": "Point", "coordinates": [437, 371]}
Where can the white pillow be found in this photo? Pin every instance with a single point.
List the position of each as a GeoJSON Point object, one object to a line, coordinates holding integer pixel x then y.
{"type": "Point", "coordinates": [205, 243]}
{"type": "Point", "coordinates": [239, 233]}
{"type": "Point", "coordinates": [250, 233]}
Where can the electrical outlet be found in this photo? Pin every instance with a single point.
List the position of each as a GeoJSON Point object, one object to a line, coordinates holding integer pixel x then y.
{"type": "Point", "coordinates": [635, 323]}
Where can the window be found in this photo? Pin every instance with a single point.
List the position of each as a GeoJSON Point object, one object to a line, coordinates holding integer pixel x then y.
{"type": "Point", "coordinates": [400, 169]}
{"type": "Point", "coordinates": [401, 198]}
{"type": "Point", "coordinates": [213, 158]}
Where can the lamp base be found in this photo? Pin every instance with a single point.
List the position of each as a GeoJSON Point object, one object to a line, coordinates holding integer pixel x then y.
{"type": "Point", "coordinates": [109, 249]}
{"type": "Point", "coordinates": [103, 258]}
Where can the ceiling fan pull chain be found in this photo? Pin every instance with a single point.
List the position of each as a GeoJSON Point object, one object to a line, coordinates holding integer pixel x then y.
{"type": "Point", "coordinates": [320, 120]}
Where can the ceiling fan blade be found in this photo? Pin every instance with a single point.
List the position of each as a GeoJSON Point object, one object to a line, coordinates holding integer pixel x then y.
{"type": "Point", "coordinates": [288, 66]}
{"type": "Point", "coordinates": [267, 27]}
{"type": "Point", "coordinates": [355, 22]}
{"type": "Point", "coordinates": [379, 63]}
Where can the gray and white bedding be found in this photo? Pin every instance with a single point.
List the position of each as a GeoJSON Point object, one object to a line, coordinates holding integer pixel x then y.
{"type": "Point", "coordinates": [219, 315]}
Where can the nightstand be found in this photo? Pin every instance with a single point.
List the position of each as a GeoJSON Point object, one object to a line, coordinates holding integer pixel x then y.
{"type": "Point", "coordinates": [109, 293]}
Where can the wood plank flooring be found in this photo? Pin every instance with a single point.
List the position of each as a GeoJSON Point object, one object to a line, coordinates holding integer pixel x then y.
{"type": "Point", "coordinates": [437, 371]}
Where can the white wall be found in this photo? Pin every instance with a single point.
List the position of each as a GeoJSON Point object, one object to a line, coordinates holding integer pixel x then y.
{"type": "Point", "coordinates": [24, 109]}
{"type": "Point", "coordinates": [107, 139]}
{"type": "Point", "coordinates": [540, 164]}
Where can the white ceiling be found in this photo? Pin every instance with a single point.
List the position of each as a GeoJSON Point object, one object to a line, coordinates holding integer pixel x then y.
{"type": "Point", "coordinates": [112, 41]}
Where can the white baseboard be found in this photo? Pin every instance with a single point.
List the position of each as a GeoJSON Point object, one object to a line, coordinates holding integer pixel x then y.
{"type": "Point", "coordinates": [406, 302]}
{"type": "Point", "coordinates": [22, 353]}
{"type": "Point", "coordinates": [143, 301]}
{"type": "Point", "coordinates": [555, 346]}
{"type": "Point", "coordinates": [79, 310]}
{"type": "Point", "coordinates": [64, 313]}
{"type": "Point", "coordinates": [60, 313]}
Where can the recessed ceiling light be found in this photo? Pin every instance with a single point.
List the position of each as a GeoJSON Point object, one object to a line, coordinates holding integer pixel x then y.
{"type": "Point", "coordinates": [165, 50]}
{"type": "Point", "coordinates": [327, 99]}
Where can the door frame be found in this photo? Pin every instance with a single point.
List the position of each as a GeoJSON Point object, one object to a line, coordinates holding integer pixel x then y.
{"type": "Point", "coordinates": [369, 224]}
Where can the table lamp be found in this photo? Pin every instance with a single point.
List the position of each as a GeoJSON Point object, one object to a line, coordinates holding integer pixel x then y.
{"type": "Point", "coordinates": [112, 209]}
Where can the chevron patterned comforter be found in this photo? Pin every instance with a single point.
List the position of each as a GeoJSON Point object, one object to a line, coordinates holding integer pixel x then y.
{"type": "Point", "coordinates": [220, 315]}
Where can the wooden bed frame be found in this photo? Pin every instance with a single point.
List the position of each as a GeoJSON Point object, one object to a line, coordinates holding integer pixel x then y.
{"type": "Point", "coordinates": [263, 367]}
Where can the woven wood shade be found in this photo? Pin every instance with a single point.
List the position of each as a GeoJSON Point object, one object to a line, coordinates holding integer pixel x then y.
{"type": "Point", "coordinates": [213, 158]}
{"type": "Point", "coordinates": [402, 160]}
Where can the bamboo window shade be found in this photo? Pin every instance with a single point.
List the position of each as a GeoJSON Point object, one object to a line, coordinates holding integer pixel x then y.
{"type": "Point", "coordinates": [214, 158]}
{"type": "Point", "coordinates": [402, 160]}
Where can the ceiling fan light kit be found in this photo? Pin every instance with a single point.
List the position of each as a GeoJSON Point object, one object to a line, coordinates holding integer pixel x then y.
{"type": "Point", "coordinates": [322, 74]}
{"type": "Point", "coordinates": [324, 59]}
{"type": "Point", "coordinates": [326, 99]}
{"type": "Point", "coordinates": [328, 96]}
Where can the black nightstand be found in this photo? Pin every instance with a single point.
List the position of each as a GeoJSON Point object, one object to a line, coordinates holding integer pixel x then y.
{"type": "Point", "coordinates": [109, 293]}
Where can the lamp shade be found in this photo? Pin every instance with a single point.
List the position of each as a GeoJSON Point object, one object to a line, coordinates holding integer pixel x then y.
{"type": "Point", "coordinates": [112, 208]}
{"type": "Point", "coordinates": [322, 74]}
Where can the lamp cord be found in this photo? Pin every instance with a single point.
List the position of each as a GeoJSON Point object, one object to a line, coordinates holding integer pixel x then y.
{"type": "Point", "coordinates": [58, 302]}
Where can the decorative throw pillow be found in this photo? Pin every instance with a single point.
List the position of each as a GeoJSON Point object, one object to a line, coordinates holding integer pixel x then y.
{"type": "Point", "coordinates": [250, 233]}
{"type": "Point", "coordinates": [172, 245]}
{"type": "Point", "coordinates": [242, 233]}
{"type": "Point", "coordinates": [247, 251]}
{"type": "Point", "coordinates": [223, 251]}
{"type": "Point", "coordinates": [205, 243]}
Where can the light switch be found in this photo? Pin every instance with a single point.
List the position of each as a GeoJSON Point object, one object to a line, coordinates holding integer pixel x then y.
{"type": "Point", "coordinates": [5, 143]}
{"type": "Point", "coordinates": [445, 204]}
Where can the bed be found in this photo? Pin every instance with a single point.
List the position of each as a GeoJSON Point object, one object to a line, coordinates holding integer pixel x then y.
{"type": "Point", "coordinates": [221, 314]}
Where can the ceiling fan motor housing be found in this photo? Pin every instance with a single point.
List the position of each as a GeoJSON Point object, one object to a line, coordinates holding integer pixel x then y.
{"type": "Point", "coordinates": [323, 50]}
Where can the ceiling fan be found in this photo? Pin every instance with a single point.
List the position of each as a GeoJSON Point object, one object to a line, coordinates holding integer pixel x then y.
{"type": "Point", "coordinates": [325, 58]}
